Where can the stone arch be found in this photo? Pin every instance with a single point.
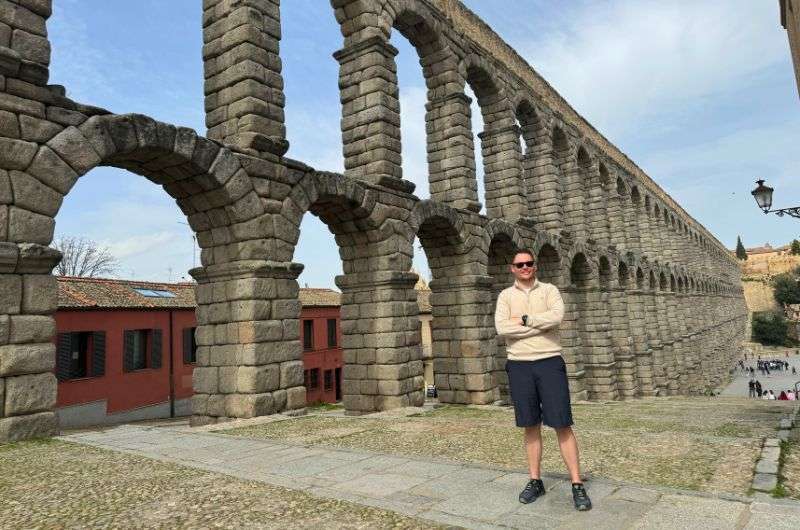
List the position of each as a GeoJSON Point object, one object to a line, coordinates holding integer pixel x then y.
{"type": "Point", "coordinates": [443, 236]}
{"type": "Point", "coordinates": [576, 193]}
{"type": "Point", "coordinates": [209, 186]}
{"type": "Point", "coordinates": [548, 262]}
{"type": "Point", "coordinates": [581, 273]}
{"type": "Point", "coordinates": [379, 371]}
{"type": "Point", "coordinates": [502, 156]}
{"type": "Point", "coordinates": [205, 179]}
{"type": "Point", "coordinates": [604, 273]}
{"type": "Point", "coordinates": [501, 242]}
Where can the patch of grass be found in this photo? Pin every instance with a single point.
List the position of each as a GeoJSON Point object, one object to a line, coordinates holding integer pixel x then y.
{"type": "Point", "coordinates": [318, 406]}
{"type": "Point", "coordinates": [734, 430]}
{"type": "Point", "coordinates": [706, 444]}
{"type": "Point", "coordinates": [95, 488]}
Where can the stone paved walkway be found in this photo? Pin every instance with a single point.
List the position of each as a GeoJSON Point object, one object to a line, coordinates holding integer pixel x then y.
{"type": "Point", "coordinates": [470, 496]}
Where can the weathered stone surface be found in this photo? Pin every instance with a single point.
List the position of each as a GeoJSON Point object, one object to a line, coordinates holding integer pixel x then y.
{"type": "Point", "coordinates": [16, 154]}
{"type": "Point", "coordinates": [26, 394]}
{"type": "Point", "coordinates": [18, 359]}
{"type": "Point", "coordinates": [39, 294]}
{"type": "Point", "coordinates": [30, 328]}
{"type": "Point", "coordinates": [37, 130]}
{"type": "Point", "coordinates": [10, 293]}
{"type": "Point", "coordinates": [32, 195]}
{"type": "Point", "coordinates": [49, 168]}
{"type": "Point", "coordinates": [31, 227]}
{"type": "Point", "coordinates": [29, 426]}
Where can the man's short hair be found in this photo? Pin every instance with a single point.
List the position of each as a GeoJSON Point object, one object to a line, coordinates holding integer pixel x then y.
{"type": "Point", "coordinates": [524, 251]}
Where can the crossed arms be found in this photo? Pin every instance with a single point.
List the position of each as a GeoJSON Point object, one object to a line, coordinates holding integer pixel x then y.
{"type": "Point", "coordinates": [511, 326]}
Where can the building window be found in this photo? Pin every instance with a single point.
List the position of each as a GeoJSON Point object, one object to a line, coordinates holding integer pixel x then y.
{"type": "Point", "coordinates": [80, 354]}
{"type": "Point", "coordinates": [328, 380]}
{"type": "Point", "coordinates": [189, 346]}
{"type": "Point", "coordinates": [308, 335]}
{"type": "Point", "coordinates": [331, 333]}
{"type": "Point", "coordinates": [312, 379]}
{"type": "Point", "coordinates": [142, 349]}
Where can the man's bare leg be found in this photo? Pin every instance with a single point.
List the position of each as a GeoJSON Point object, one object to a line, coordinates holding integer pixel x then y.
{"type": "Point", "coordinates": [568, 445]}
{"type": "Point", "coordinates": [533, 448]}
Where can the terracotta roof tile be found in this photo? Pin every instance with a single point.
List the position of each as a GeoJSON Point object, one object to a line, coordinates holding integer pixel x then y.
{"type": "Point", "coordinates": [106, 293]}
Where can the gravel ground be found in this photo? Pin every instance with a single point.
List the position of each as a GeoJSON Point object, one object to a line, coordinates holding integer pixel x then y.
{"type": "Point", "coordinates": [705, 444]}
{"type": "Point", "coordinates": [54, 484]}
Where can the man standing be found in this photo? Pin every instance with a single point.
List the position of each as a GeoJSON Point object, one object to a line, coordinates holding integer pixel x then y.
{"type": "Point", "coordinates": [528, 315]}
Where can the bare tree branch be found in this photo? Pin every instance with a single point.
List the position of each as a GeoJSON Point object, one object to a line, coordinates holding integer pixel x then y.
{"type": "Point", "coordinates": [83, 257]}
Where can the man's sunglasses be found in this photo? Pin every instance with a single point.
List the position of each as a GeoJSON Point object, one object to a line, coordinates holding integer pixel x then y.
{"type": "Point", "coordinates": [521, 264]}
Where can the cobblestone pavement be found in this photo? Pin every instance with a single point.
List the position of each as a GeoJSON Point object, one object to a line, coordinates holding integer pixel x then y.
{"type": "Point", "coordinates": [704, 444]}
{"type": "Point", "coordinates": [452, 493]}
{"type": "Point", "coordinates": [54, 484]}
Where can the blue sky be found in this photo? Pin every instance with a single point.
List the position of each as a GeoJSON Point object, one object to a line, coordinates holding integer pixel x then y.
{"type": "Point", "coordinates": [700, 94]}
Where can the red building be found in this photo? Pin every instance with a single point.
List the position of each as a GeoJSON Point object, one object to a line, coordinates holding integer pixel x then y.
{"type": "Point", "coordinates": [125, 350]}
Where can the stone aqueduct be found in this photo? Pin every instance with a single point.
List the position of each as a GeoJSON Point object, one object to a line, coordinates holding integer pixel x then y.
{"type": "Point", "coordinates": [654, 304]}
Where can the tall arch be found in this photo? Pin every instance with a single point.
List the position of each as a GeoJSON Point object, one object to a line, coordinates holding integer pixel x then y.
{"type": "Point", "coordinates": [500, 148]}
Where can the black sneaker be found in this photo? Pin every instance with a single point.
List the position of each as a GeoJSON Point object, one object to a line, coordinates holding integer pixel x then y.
{"type": "Point", "coordinates": [581, 498]}
{"type": "Point", "coordinates": [533, 490]}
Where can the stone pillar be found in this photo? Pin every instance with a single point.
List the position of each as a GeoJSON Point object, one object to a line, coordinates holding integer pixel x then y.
{"type": "Point", "coordinates": [24, 48]}
{"type": "Point", "coordinates": [544, 187]}
{"type": "Point", "coordinates": [571, 342]}
{"type": "Point", "coordinates": [574, 207]}
{"type": "Point", "coordinates": [502, 161]}
{"type": "Point", "coordinates": [622, 340]}
{"type": "Point", "coordinates": [667, 342]}
{"type": "Point", "coordinates": [28, 300]}
{"type": "Point", "coordinates": [381, 340]}
{"type": "Point", "coordinates": [637, 319]}
{"type": "Point", "coordinates": [616, 219]}
{"type": "Point", "coordinates": [600, 358]}
{"type": "Point", "coordinates": [596, 207]}
{"type": "Point", "coordinates": [689, 325]}
{"type": "Point", "coordinates": [633, 227]}
{"type": "Point", "coordinates": [371, 113]}
{"type": "Point", "coordinates": [464, 342]}
{"type": "Point", "coordinates": [451, 152]}
{"type": "Point", "coordinates": [654, 339]}
{"type": "Point", "coordinates": [243, 83]}
{"type": "Point", "coordinates": [249, 358]}
{"type": "Point", "coordinates": [676, 332]}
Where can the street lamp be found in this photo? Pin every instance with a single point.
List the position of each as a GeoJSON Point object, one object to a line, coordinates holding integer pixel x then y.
{"type": "Point", "coordinates": [763, 196]}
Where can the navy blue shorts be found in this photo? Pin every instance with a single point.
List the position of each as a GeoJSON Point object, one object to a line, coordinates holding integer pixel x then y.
{"type": "Point", "coordinates": [540, 392]}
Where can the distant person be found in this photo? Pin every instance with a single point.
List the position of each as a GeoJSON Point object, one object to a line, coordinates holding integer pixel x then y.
{"type": "Point", "coordinates": [783, 396]}
{"type": "Point", "coordinates": [771, 395]}
{"type": "Point", "coordinates": [527, 316]}
{"type": "Point", "coordinates": [751, 386]}
{"type": "Point", "coordinates": [791, 395]}
{"type": "Point", "coordinates": [758, 388]}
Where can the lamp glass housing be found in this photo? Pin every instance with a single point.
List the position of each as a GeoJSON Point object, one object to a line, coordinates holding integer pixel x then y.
{"type": "Point", "coordinates": [763, 195]}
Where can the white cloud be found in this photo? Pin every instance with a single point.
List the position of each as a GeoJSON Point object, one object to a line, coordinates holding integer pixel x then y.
{"type": "Point", "coordinates": [139, 244]}
{"type": "Point", "coordinates": [622, 62]}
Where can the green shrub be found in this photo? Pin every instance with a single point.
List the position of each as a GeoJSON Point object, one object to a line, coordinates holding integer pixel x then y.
{"type": "Point", "coordinates": [770, 329]}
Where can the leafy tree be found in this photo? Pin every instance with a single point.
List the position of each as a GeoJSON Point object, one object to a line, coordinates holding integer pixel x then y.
{"type": "Point", "coordinates": [741, 253]}
{"type": "Point", "coordinates": [787, 288]}
{"type": "Point", "coordinates": [795, 248]}
{"type": "Point", "coordinates": [83, 257]}
{"type": "Point", "coordinates": [770, 328]}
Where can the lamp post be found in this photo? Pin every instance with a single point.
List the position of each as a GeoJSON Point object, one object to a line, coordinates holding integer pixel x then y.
{"type": "Point", "coordinates": [763, 196]}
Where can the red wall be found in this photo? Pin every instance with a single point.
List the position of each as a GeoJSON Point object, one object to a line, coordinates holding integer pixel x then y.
{"type": "Point", "coordinates": [128, 390]}
{"type": "Point", "coordinates": [321, 356]}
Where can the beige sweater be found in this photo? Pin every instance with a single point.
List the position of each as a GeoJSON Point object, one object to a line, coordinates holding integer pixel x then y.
{"type": "Point", "coordinates": [539, 338]}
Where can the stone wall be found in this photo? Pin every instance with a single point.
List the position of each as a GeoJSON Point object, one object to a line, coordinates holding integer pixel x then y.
{"type": "Point", "coordinates": [654, 301]}
{"type": "Point", "coordinates": [759, 295]}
